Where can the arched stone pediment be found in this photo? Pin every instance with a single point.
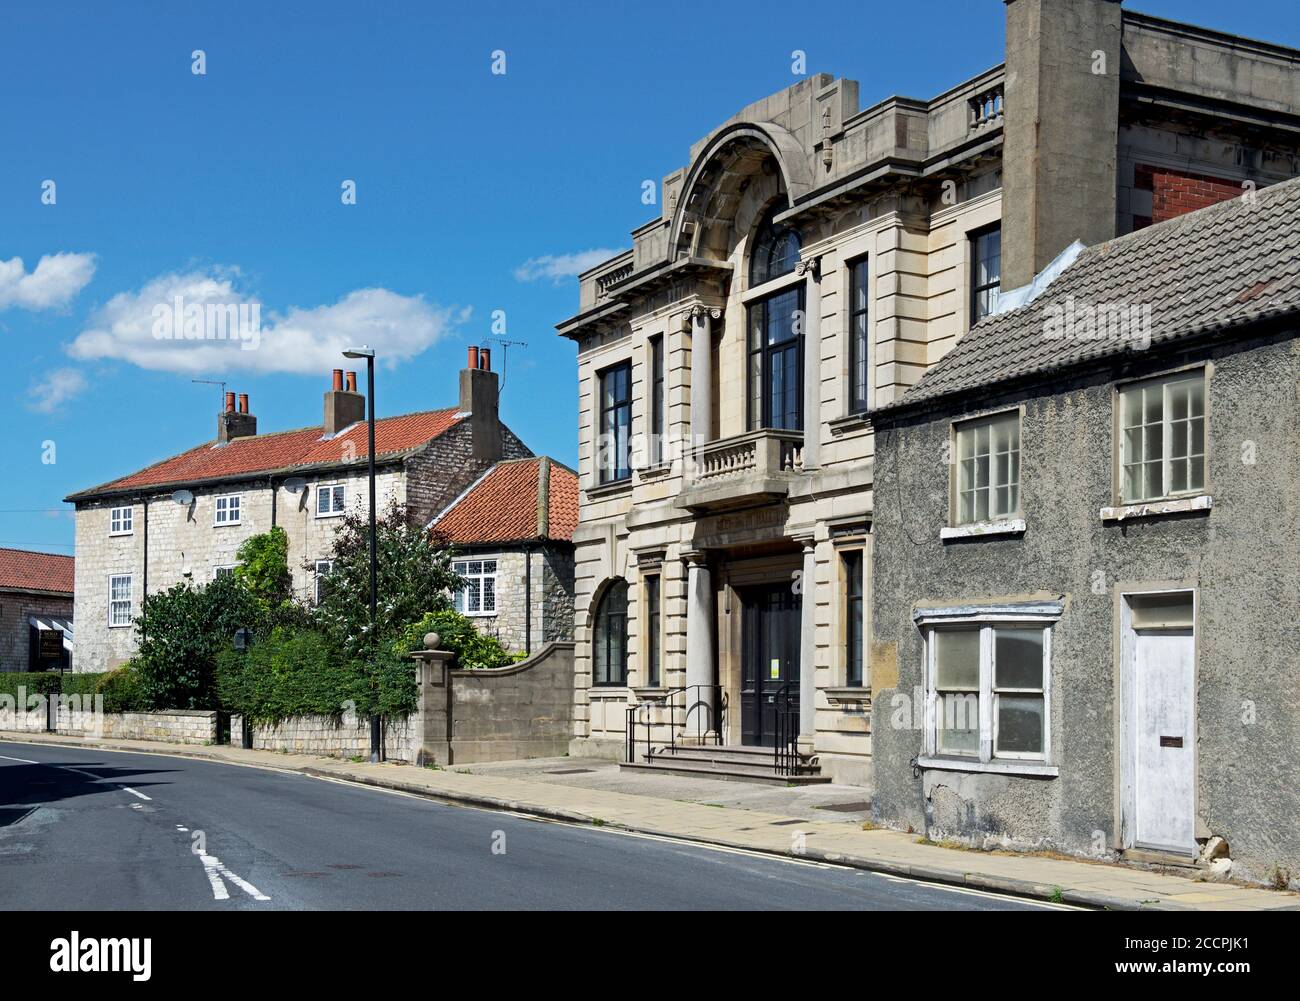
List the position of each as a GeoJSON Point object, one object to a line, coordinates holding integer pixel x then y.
{"type": "Point", "coordinates": [718, 199]}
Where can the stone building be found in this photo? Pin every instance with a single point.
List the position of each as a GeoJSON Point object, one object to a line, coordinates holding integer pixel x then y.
{"type": "Point", "coordinates": [35, 611]}
{"type": "Point", "coordinates": [184, 518]}
{"type": "Point", "coordinates": [1086, 626]}
{"type": "Point", "coordinates": [811, 261]}
{"type": "Point", "coordinates": [513, 535]}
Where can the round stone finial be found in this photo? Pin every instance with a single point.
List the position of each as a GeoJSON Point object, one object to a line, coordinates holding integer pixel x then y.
{"type": "Point", "coordinates": [431, 641]}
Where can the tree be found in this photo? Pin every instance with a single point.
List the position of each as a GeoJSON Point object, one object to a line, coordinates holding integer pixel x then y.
{"type": "Point", "coordinates": [264, 570]}
{"type": "Point", "coordinates": [187, 627]}
{"type": "Point", "coordinates": [415, 577]}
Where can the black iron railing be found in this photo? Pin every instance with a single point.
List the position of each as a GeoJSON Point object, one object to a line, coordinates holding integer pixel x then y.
{"type": "Point", "coordinates": [702, 710]}
{"type": "Point", "coordinates": [785, 751]}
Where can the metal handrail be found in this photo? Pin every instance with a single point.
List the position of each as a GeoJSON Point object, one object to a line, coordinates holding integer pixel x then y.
{"type": "Point", "coordinates": [705, 712]}
{"type": "Point", "coordinates": [785, 750]}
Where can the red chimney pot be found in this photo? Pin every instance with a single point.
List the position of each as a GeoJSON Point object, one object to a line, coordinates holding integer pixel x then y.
{"type": "Point", "coordinates": [338, 380]}
{"type": "Point", "coordinates": [485, 359]}
{"type": "Point", "coordinates": [473, 357]}
{"type": "Point", "coordinates": [243, 403]}
{"type": "Point", "coordinates": [230, 403]}
{"type": "Point", "coordinates": [352, 382]}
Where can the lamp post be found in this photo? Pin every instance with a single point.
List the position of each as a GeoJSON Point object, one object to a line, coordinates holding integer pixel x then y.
{"type": "Point", "coordinates": [368, 354]}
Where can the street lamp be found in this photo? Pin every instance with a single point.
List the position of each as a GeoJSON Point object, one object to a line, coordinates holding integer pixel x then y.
{"type": "Point", "coordinates": [368, 353]}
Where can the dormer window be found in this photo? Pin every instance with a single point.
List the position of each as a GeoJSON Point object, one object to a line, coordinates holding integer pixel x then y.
{"type": "Point", "coordinates": [776, 252]}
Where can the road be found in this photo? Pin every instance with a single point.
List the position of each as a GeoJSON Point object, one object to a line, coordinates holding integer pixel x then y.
{"type": "Point", "coordinates": [84, 829]}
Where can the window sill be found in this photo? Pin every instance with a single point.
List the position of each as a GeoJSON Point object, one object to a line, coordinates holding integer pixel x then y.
{"type": "Point", "coordinates": [607, 691]}
{"type": "Point", "coordinates": [1034, 769]}
{"type": "Point", "coordinates": [1176, 505]}
{"type": "Point", "coordinates": [854, 693]}
{"type": "Point", "coordinates": [120, 535]}
{"type": "Point", "coordinates": [1007, 526]}
{"type": "Point", "coordinates": [653, 472]}
{"type": "Point", "coordinates": [226, 524]}
{"type": "Point", "coordinates": [650, 693]}
{"type": "Point", "coordinates": [332, 514]}
{"type": "Point", "coordinates": [850, 422]}
{"type": "Point", "coordinates": [613, 489]}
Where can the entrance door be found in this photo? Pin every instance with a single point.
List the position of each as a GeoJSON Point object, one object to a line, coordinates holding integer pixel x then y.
{"type": "Point", "coordinates": [770, 658]}
{"type": "Point", "coordinates": [1164, 779]}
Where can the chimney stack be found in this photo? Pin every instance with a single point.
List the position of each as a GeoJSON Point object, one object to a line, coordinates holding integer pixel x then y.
{"type": "Point", "coordinates": [343, 407]}
{"type": "Point", "coordinates": [232, 423]}
{"type": "Point", "coordinates": [1061, 132]}
{"type": "Point", "coordinates": [479, 396]}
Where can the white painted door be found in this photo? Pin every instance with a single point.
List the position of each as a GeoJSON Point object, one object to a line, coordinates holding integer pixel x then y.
{"type": "Point", "coordinates": [1165, 730]}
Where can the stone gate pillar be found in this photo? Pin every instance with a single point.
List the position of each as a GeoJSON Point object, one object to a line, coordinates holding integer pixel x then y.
{"type": "Point", "coordinates": [431, 723]}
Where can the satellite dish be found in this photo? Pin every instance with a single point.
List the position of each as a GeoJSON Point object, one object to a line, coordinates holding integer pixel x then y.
{"type": "Point", "coordinates": [295, 484]}
{"type": "Point", "coordinates": [183, 497]}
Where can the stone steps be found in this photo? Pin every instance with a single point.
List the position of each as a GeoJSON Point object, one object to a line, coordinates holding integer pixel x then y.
{"type": "Point", "coordinates": [734, 764]}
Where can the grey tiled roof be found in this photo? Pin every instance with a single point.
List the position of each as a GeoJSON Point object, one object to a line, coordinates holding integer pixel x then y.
{"type": "Point", "coordinates": [1219, 267]}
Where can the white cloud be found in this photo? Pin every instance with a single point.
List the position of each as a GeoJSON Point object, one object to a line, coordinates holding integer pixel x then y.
{"type": "Point", "coordinates": [56, 389]}
{"type": "Point", "coordinates": [304, 340]}
{"type": "Point", "coordinates": [558, 267]}
{"type": "Point", "coordinates": [52, 283]}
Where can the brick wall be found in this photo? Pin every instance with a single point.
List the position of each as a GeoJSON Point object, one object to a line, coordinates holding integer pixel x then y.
{"type": "Point", "coordinates": [15, 633]}
{"type": "Point", "coordinates": [1174, 192]}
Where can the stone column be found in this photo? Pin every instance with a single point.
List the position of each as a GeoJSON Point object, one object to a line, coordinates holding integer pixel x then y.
{"type": "Point", "coordinates": [430, 725]}
{"type": "Point", "coordinates": [812, 360]}
{"type": "Point", "coordinates": [701, 327]}
{"type": "Point", "coordinates": [808, 647]}
{"type": "Point", "coordinates": [700, 667]}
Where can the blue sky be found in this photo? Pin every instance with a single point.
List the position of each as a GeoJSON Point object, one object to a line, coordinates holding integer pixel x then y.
{"type": "Point", "coordinates": [475, 192]}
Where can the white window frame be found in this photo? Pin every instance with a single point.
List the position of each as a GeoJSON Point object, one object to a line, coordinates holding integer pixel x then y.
{"type": "Point", "coordinates": [463, 594]}
{"type": "Point", "coordinates": [986, 619]}
{"type": "Point", "coordinates": [129, 602]}
{"type": "Point", "coordinates": [217, 520]}
{"type": "Point", "coordinates": [124, 518]}
{"type": "Point", "coordinates": [326, 490]}
{"type": "Point", "coordinates": [971, 426]}
{"type": "Point", "coordinates": [1124, 392]}
{"type": "Point", "coordinates": [320, 575]}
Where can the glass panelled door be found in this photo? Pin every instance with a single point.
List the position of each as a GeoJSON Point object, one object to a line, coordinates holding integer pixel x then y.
{"type": "Point", "coordinates": [769, 658]}
{"type": "Point", "coordinates": [776, 361]}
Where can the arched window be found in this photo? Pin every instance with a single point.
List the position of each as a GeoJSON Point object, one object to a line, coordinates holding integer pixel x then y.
{"type": "Point", "coordinates": [776, 251]}
{"type": "Point", "coordinates": [609, 637]}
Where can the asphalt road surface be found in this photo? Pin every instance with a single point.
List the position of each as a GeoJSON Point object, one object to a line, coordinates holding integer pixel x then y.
{"type": "Point", "coordinates": [84, 829]}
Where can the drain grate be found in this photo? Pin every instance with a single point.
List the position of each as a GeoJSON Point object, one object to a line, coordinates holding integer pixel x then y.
{"type": "Point", "coordinates": [570, 771]}
{"type": "Point", "coordinates": [786, 823]}
{"type": "Point", "coordinates": [846, 807]}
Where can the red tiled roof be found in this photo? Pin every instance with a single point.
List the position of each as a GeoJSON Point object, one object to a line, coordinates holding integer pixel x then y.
{"type": "Point", "coordinates": [502, 505]}
{"type": "Point", "coordinates": [265, 453]}
{"type": "Point", "coordinates": [21, 570]}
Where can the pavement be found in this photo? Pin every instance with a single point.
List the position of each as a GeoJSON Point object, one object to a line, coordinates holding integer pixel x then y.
{"type": "Point", "coordinates": [793, 823]}
{"type": "Point", "coordinates": [89, 829]}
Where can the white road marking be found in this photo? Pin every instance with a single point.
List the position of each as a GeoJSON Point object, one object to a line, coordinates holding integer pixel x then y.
{"type": "Point", "coordinates": [210, 864]}
{"type": "Point", "coordinates": [136, 806]}
{"type": "Point", "coordinates": [134, 792]}
{"type": "Point", "coordinates": [25, 761]}
{"type": "Point", "coordinates": [215, 870]}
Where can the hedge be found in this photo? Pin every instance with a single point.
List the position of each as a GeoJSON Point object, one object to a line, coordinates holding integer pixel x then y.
{"type": "Point", "coordinates": [121, 688]}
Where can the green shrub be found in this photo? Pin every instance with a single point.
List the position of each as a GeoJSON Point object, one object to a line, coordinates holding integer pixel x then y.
{"type": "Point", "coordinates": [123, 690]}
{"type": "Point", "coordinates": [31, 682]}
{"type": "Point", "coordinates": [181, 632]}
{"type": "Point", "coordinates": [472, 650]}
{"type": "Point", "coordinates": [288, 673]}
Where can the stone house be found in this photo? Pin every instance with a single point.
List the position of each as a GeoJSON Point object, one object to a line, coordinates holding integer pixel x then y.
{"type": "Point", "coordinates": [184, 518]}
{"type": "Point", "coordinates": [1086, 598]}
{"type": "Point", "coordinates": [513, 534]}
{"type": "Point", "coordinates": [35, 611]}
{"type": "Point", "coordinates": [810, 262]}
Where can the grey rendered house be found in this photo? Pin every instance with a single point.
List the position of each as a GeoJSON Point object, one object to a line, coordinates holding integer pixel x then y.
{"type": "Point", "coordinates": [1087, 566]}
